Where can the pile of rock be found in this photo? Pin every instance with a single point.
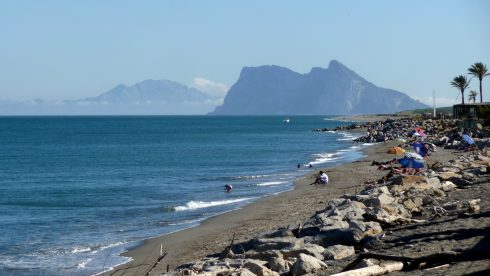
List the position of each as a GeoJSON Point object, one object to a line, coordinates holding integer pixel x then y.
{"type": "Point", "coordinates": [343, 128]}
{"type": "Point", "coordinates": [353, 223]}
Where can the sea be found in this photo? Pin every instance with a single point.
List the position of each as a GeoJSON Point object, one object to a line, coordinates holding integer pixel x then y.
{"type": "Point", "coordinates": [77, 191]}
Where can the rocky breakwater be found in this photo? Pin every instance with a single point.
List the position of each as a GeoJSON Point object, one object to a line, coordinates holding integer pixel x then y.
{"type": "Point", "coordinates": [443, 132]}
{"type": "Point", "coordinates": [356, 232]}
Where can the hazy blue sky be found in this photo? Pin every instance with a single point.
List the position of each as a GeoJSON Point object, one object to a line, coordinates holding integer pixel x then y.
{"type": "Point", "coordinates": [73, 49]}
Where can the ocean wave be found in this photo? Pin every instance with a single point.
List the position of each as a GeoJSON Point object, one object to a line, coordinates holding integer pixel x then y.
{"type": "Point", "coordinates": [100, 248]}
{"type": "Point", "coordinates": [271, 183]}
{"type": "Point", "coordinates": [346, 136]}
{"type": "Point", "coordinates": [193, 205]}
{"type": "Point", "coordinates": [253, 176]}
{"type": "Point", "coordinates": [324, 158]}
{"type": "Point", "coordinates": [84, 263]}
{"type": "Point", "coordinates": [79, 249]}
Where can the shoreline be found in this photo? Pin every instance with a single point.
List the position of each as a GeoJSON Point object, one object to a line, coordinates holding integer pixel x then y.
{"type": "Point", "coordinates": [281, 210]}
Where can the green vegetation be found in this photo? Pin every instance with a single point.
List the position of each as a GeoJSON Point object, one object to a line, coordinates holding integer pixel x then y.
{"type": "Point", "coordinates": [480, 71]}
{"type": "Point", "coordinates": [461, 82]}
{"type": "Point", "coordinates": [472, 96]}
{"type": "Point", "coordinates": [439, 110]}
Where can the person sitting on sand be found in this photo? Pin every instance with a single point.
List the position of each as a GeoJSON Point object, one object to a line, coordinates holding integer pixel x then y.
{"type": "Point", "coordinates": [321, 179]}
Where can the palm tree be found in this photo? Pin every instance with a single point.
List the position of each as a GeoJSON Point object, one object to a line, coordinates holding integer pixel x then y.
{"type": "Point", "coordinates": [480, 71]}
{"type": "Point", "coordinates": [472, 96]}
{"type": "Point", "coordinates": [461, 82]}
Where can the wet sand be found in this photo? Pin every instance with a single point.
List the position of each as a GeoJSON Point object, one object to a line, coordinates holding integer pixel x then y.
{"type": "Point", "coordinates": [293, 207]}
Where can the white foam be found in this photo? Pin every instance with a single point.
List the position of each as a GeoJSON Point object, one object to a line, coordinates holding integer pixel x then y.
{"type": "Point", "coordinates": [271, 183]}
{"type": "Point", "coordinates": [368, 144]}
{"type": "Point", "coordinates": [108, 246]}
{"type": "Point", "coordinates": [192, 205]}
{"type": "Point", "coordinates": [84, 263]}
{"type": "Point", "coordinates": [346, 136]}
{"type": "Point", "coordinates": [253, 176]}
{"type": "Point", "coordinates": [324, 158]}
{"type": "Point", "coordinates": [79, 249]}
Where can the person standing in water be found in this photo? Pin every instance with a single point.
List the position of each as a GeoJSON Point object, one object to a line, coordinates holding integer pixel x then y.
{"type": "Point", "coordinates": [228, 187]}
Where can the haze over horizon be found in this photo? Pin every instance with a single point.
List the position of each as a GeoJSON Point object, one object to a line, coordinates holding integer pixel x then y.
{"type": "Point", "coordinates": [57, 50]}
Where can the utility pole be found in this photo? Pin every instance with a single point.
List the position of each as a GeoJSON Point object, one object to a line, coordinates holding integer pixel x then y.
{"type": "Point", "coordinates": [434, 102]}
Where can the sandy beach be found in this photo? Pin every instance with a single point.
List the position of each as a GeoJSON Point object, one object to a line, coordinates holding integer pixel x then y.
{"type": "Point", "coordinates": [292, 207]}
{"type": "Point", "coordinates": [297, 206]}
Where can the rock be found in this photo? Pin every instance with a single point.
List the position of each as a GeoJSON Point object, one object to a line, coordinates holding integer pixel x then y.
{"type": "Point", "coordinates": [368, 228]}
{"type": "Point", "coordinates": [344, 208]}
{"type": "Point", "coordinates": [326, 222]}
{"type": "Point", "coordinates": [307, 264]}
{"type": "Point", "coordinates": [379, 200]}
{"type": "Point", "coordinates": [245, 272]}
{"type": "Point", "coordinates": [187, 271]}
{"type": "Point", "coordinates": [448, 175]}
{"type": "Point", "coordinates": [375, 191]}
{"type": "Point", "coordinates": [413, 204]}
{"type": "Point", "coordinates": [349, 236]}
{"type": "Point", "coordinates": [448, 186]}
{"type": "Point", "coordinates": [280, 243]}
{"type": "Point", "coordinates": [263, 255]}
{"type": "Point", "coordinates": [390, 216]}
{"type": "Point", "coordinates": [279, 265]}
{"type": "Point", "coordinates": [281, 232]}
{"type": "Point", "coordinates": [366, 263]}
{"type": "Point", "coordinates": [434, 182]}
{"type": "Point", "coordinates": [405, 182]}
{"type": "Point", "coordinates": [314, 250]}
{"type": "Point", "coordinates": [337, 252]}
{"type": "Point", "coordinates": [258, 268]}
{"type": "Point", "coordinates": [460, 182]}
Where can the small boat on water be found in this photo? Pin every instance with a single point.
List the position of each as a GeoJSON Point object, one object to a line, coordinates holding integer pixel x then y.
{"type": "Point", "coordinates": [286, 120]}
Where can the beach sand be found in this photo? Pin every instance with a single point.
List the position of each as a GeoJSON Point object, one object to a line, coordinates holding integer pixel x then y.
{"type": "Point", "coordinates": [293, 207]}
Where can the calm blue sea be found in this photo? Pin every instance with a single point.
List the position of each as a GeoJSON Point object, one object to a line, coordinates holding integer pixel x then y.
{"type": "Point", "coordinates": [77, 191]}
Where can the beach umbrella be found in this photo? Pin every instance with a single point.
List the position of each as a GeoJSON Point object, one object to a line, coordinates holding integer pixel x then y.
{"type": "Point", "coordinates": [468, 139]}
{"type": "Point", "coordinates": [407, 162]}
{"type": "Point", "coordinates": [396, 150]}
{"type": "Point", "coordinates": [413, 155]}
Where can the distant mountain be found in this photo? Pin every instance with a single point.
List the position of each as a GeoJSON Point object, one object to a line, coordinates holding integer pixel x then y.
{"type": "Point", "coordinates": [336, 90]}
{"type": "Point", "coordinates": [149, 97]}
{"type": "Point", "coordinates": [150, 91]}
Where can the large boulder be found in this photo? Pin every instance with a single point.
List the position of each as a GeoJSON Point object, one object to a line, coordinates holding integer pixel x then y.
{"type": "Point", "coordinates": [395, 214]}
{"type": "Point", "coordinates": [405, 182]}
{"type": "Point", "coordinates": [337, 252]}
{"type": "Point", "coordinates": [314, 250]}
{"type": "Point", "coordinates": [379, 200]}
{"type": "Point", "coordinates": [279, 243]}
{"type": "Point", "coordinates": [307, 264]}
{"type": "Point", "coordinates": [258, 268]}
{"type": "Point", "coordinates": [266, 255]}
{"type": "Point", "coordinates": [368, 228]}
{"type": "Point", "coordinates": [280, 265]}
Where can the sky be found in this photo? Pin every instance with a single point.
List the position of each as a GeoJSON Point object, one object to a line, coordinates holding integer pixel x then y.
{"type": "Point", "coordinates": [62, 50]}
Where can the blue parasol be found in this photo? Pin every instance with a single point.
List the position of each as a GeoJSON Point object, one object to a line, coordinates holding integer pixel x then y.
{"type": "Point", "coordinates": [411, 163]}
